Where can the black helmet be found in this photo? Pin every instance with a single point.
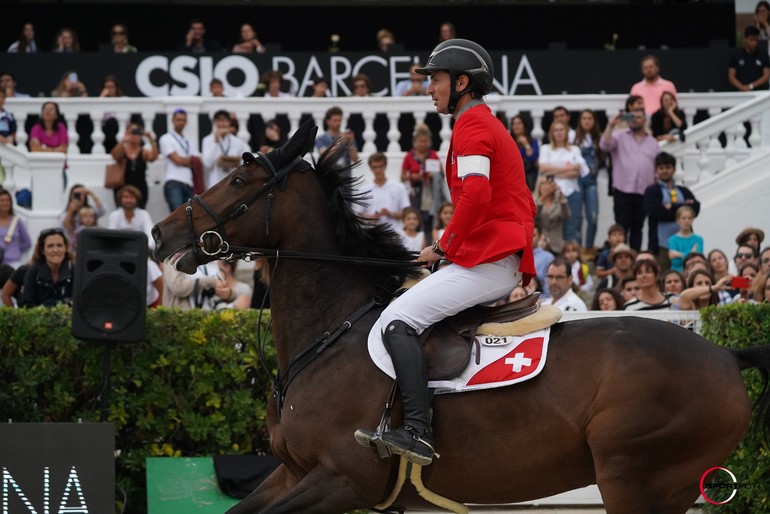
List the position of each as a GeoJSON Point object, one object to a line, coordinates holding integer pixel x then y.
{"type": "Point", "coordinates": [462, 57]}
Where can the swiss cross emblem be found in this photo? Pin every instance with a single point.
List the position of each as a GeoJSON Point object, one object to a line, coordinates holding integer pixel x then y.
{"type": "Point", "coordinates": [521, 361]}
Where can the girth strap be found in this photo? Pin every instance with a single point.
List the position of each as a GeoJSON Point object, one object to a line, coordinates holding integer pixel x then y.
{"type": "Point", "coordinates": [309, 354]}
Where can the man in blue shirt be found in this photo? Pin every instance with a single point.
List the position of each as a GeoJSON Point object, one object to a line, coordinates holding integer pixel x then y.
{"type": "Point", "coordinates": [661, 200]}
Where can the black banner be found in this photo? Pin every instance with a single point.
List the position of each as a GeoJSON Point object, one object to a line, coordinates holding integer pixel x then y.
{"type": "Point", "coordinates": [555, 71]}
{"type": "Point", "coordinates": [57, 467]}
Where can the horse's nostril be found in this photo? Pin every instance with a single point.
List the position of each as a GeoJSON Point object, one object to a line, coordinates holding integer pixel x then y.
{"type": "Point", "coordinates": [155, 232]}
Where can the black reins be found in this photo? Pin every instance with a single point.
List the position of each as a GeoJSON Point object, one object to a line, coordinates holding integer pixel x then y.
{"type": "Point", "coordinates": [225, 251]}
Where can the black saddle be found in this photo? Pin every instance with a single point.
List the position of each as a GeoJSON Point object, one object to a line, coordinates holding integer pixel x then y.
{"type": "Point", "coordinates": [448, 343]}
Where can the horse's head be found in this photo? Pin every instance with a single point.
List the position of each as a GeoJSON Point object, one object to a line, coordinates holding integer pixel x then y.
{"type": "Point", "coordinates": [229, 213]}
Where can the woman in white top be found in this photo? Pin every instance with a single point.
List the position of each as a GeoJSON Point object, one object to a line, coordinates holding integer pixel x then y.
{"type": "Point", "coordinates": [565, 163]}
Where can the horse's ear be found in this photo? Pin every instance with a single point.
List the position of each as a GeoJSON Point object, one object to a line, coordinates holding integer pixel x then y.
{"type": "Point", "coordinates": [300, 143]}
{"type": "Point", "coordinates": [248, 158]}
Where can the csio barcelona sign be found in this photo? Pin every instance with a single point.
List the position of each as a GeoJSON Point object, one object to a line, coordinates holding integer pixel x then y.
{"type": "Point", "coordinates": [163, 75]}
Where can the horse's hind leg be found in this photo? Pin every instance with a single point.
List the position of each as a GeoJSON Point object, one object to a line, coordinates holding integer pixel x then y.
{"type": "Point", "coordinates": [320, 492]}
{"type": "Point", "coordinates": [632, 497]}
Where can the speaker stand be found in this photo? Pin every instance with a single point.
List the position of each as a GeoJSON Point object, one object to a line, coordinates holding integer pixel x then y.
{"type": "Point", "coordinates": [106, 367]}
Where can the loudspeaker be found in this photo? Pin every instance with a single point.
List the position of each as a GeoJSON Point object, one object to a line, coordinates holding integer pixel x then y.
{"type": "Point", "coordinates": [110, 290]}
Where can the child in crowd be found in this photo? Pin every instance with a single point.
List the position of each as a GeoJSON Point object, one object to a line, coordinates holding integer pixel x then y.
{"type": "Point", "coordinates": [87, 216]}
{"type": "Point", "coordinates": [443, 217]}
{"type": "Point", "coordinates": [615, 235]}
{"type": "Point", "coordinates": [684, 241]}
{"type": "Point", "coordinates": [412, 238]}
{"type": "Point", "coordinates": [629, 289]}
{"type": "Point", "coordinates": [581, 275]}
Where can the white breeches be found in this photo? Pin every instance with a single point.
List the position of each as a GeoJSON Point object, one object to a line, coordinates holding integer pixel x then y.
{"type": "Point", "coordinates": [453, 289]}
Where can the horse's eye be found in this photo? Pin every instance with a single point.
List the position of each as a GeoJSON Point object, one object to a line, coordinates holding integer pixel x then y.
{"type": "Point", "coordinates": [238, 182]}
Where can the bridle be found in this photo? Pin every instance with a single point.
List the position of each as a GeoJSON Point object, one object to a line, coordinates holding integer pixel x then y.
{"type": "Point", "coordinates": [228, 252]}
{"type": "Point", "coordinates": [224, 250]}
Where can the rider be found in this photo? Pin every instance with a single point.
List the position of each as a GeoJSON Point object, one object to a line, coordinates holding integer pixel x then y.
{"type": "Point", "coordinates": [488, 241]}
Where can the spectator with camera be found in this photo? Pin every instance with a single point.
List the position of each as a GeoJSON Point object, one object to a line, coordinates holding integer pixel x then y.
{"type": "Point", "coordinates": [135, 157]}
{"type": "Point", "coordinates": [196, 291]}
{"type": "Point", "coordinates": [633, 153]}
{"type": "Point", "coordinates": [79, 197]}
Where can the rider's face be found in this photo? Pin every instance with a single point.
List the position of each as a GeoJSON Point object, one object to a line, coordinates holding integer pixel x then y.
{"type": "Point", "coordinates": [439, 90]}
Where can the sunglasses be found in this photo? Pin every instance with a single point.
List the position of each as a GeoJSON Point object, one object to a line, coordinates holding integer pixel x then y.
{"type": "Point", "coordinates": [118, 33]}
{"type": "Point", "coordinates": [744, 255]}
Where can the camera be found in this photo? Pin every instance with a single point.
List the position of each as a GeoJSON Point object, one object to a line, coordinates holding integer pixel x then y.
{"type": "Point", "coordinates": [77, 196]}
{"type": "Point", "coordinates": [627, 116]}
{"type": "Point", "coordinates": [137, 131]}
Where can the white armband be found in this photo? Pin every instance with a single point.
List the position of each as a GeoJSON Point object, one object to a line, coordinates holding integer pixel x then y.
{"type": "Point", "coordinates": [468, 165]}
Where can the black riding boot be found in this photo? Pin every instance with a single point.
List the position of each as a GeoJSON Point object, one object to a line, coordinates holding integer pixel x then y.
{"type": "Point", "coordinates": [414, 440]}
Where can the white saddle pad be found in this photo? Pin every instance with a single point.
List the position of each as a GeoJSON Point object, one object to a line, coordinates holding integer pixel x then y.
{"type": "Point", "coordinates": [505, 360]}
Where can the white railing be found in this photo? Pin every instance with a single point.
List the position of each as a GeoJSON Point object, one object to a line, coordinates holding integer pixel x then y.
{"type": "Point", "coordinates": [294, 108]}
{"type": "Point", "coordinates": [702, 153]}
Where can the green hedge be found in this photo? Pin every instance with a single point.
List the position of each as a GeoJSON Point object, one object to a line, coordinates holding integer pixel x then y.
{"type": "Point", "coordinates": [193, 387]}
{"type": "Point", "coordinates": [743, 326]}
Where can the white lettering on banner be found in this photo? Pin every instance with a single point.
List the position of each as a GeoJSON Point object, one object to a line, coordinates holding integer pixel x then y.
{"type": "Point", "coordinates": [245, 66]}
{"type": "Point", "coordinates": [519, 81]}
{"type": "Point", "coordinates": [142, 76]}
{"type": "Point", "coordinates": [396, 76]}
{"type": "Point", "coordinates": [288, 73]}
{"type": "Point", "coordinates": [366, 60]}
{"type": "Point", "coordinates": [73, 482]}
{"type": "Point", "coordinates": [518, 361]}
{"type": "Point", "coordinates": [190, 75]}
{"type": "Point", "coordinates": [338, 79]}
{"type": "Point", "coordinates": [181, 70]}
{"type": "Point", "coordinates": [313, 70]}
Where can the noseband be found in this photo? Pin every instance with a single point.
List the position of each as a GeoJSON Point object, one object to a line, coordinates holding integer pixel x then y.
{"type": "Point", "coordinates": [278, 177]}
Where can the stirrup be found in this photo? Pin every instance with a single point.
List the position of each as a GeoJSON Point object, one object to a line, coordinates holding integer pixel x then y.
{"type": "Point", "coordinates": [373, 440]}
{"type": "Point", "coordinates": [408, 452]}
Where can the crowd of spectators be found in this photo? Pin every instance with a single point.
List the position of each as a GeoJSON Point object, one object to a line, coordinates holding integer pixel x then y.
{"type": "Point", "coordinates": [561, 171]}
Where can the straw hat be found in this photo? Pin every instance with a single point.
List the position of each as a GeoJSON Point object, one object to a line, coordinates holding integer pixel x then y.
{"type": "Point", "coordinates": [622, 248]}
{"type": "Point", "coordinates": [747, 231]}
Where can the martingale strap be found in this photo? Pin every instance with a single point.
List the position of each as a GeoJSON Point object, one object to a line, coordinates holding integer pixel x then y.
{"type": "Point", "coordinates": [309, 354]}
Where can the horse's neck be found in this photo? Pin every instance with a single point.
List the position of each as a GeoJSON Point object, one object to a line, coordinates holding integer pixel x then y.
{"type": "Point", "coordinates": [310, 298]}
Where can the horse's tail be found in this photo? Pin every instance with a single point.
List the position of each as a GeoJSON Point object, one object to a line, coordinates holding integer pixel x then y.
{"type": "Point", "coordinates": [758, 357]}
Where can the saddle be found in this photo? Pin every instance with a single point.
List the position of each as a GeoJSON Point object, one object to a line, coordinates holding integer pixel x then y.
{"type": "Point", "coordinates": [448, 343]}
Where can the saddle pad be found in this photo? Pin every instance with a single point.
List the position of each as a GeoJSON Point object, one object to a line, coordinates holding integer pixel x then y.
{"type": "Point", "coordinates": [505, 360]}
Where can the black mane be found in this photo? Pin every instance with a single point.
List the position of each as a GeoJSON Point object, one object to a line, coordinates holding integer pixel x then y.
{"type": "Point", "coordinates": [355, 236]}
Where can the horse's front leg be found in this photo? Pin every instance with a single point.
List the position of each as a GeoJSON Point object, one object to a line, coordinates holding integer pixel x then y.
{"type": "Point", "coordinates": [320, 492]}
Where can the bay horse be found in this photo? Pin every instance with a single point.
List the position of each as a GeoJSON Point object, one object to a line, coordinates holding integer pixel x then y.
{"type": "Point", "coordinates": [640, 407]}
